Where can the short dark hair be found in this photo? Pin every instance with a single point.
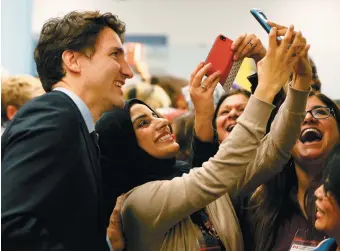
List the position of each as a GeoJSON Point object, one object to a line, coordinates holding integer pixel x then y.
{"type": "Point", "coordinates": [77, 31]}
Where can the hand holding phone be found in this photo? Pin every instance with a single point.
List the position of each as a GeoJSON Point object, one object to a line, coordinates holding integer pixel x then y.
{"type": "Point", "coordinates": [221, 59]}
{"type": "Point", "coordinates": [262, 19]}
{"type": "Point", "coordinates": [278, 64]}
{"type": "Point", "coordinates": [303, 69]}
{"type": "Point", "coordinates": [250, 46]}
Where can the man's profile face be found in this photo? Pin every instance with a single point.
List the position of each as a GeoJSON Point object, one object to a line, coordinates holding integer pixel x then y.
{"type": "Point", "coordinates": [105, 72]}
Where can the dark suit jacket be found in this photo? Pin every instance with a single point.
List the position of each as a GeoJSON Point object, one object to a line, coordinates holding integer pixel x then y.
{"type": "Point", "coordinates": [50, 180]}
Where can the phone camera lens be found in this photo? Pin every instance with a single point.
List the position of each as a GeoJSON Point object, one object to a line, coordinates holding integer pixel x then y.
{"type": "Point", "coordinates": [222, 38]}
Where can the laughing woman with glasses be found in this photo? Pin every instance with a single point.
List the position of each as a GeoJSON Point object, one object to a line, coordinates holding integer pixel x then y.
{"type": "Point", "coordinates": [284, 205]}
{"type": "Point", "coordinates": [321, 112]}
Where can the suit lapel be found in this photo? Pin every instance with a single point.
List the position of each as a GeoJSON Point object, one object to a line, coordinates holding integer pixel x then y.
{"type": "Point", "coordinates": [94, 156]}
{"type": "Point", "coordinates": [91, 148]}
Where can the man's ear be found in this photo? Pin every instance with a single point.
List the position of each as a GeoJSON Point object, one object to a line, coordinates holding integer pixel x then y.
{"type": "Point", "coordinates": [11, 110]}
{"type": "Point", "coordinates": [71, 60]}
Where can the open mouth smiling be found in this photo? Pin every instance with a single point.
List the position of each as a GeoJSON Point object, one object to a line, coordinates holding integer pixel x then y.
{"type": "Point", "coordinates": [310, 135]}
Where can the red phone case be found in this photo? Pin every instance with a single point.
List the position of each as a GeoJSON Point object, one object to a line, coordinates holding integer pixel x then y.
{"type": "Point", "coordinates": [221, 57]}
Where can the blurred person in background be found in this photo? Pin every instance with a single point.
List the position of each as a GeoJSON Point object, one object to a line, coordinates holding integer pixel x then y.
{"type": "Point", "coordinates": [51, 187]}
{"type": "Point", "coordinates": [15, 92]}
{"type": "Point", "coordinates": [173, 87]}
{"type": "Point", "coordinates": [328, 204]}
{"type": "Point", "coordinates": [183, 127]}
{"type": "Point", "coordinates": [170, 113]}
{"type": "Point", "coordinates": [152, 95]}
{"type": "Point", "coordinates": [316, 83]}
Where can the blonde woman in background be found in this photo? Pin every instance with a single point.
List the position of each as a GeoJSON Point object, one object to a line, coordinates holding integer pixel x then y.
{"type": "Point", "coordinates": [15, 92]}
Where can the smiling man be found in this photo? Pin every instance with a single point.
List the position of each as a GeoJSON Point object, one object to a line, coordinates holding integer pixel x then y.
{"type": "Point", "coordinates": [51, 181]}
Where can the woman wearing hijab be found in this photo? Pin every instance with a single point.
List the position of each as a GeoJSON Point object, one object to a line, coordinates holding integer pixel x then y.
{"type": "Point", "coordinates": [173, 208]}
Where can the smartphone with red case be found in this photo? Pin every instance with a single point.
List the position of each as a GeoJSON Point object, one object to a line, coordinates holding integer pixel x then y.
{"type": "Point", "coordinates": [221, 59]}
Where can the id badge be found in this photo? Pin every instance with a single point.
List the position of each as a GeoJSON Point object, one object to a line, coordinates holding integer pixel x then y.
{"type": "Point", "coordinates": [302, 243]}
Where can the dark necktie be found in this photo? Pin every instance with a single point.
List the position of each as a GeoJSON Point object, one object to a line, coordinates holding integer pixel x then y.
{"type": "Point", "coordinates": [94, 137]}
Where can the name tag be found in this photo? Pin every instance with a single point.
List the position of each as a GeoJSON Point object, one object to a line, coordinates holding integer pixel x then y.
{"type": "Point", "coordinates": [301, 242]}
{"type": "Point", "coordinates": [296, 247]}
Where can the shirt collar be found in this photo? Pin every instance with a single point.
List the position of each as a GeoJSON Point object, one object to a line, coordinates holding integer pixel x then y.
{"type": "Point", "coordinates": [84, 110]}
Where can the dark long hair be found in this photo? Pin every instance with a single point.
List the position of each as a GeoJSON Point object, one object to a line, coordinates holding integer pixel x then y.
{"type": "Point", "coordinates": [271, 204]}
{"type": "Point", "coordinates": [331, 179]}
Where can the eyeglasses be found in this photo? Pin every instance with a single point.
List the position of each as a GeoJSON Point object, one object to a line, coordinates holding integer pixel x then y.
{"type": "Point", "coordinates": [321, 112]}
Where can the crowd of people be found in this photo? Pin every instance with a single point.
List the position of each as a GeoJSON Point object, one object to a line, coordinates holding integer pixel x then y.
{"type": "Point", "coordinates": [91, 164]}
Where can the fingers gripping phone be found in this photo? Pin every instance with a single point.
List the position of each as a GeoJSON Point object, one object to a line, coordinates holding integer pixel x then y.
{"type": "Point", "coordinates": [262, 19]}
{"type": "Point", "coordinates": [221, 59]}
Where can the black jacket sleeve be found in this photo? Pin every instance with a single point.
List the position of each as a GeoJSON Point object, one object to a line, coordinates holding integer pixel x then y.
{"type": "Point", "coordinates": [202, 151]}
{"type": "Point", "coordinates": [253, 79]}
{"type": "Point", "coordinates": [38, 149]}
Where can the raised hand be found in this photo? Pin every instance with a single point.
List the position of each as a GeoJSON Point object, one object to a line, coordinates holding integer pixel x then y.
{"type": "Point", "coordinates": [250, 46]}
{"type": "Point", "coordinates": [115, 230]}
{"type": "Point", "coordinates": [201, 93]}
{"type": "Point", "coordinates": [281, 58]}
{"type": "Point", "coordinates": [302, 70]}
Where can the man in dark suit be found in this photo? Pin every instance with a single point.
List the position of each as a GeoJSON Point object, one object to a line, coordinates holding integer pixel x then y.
{"type": "Point", "coordinates": [51, 182]}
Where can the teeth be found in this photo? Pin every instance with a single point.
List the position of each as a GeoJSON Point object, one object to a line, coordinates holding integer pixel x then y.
{"type": "Point", "coordinates": [310, 135]}
{"type": "Point", "coordinates": [119, 84]}
{"type": "Point", "coordinates": [311, 130]}
{"type": "Point", "coordinates": [165, 137]}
